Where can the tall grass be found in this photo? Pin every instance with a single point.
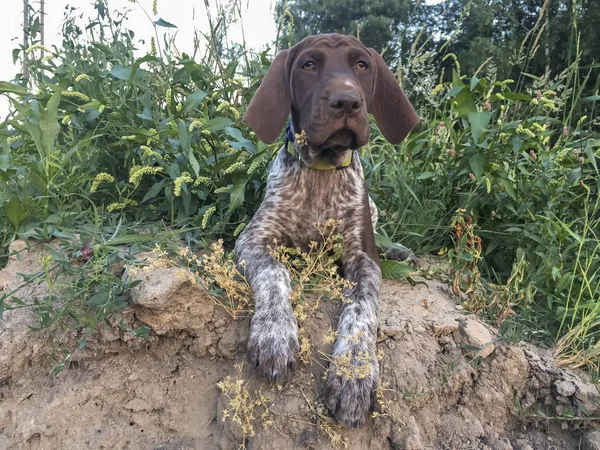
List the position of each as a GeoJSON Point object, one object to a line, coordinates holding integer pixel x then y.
{"type": "Point", "coordinates": [100, 144]}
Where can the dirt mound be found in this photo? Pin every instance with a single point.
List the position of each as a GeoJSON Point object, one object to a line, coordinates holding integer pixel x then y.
{"type": "Point", "coordinates": [448, 381]}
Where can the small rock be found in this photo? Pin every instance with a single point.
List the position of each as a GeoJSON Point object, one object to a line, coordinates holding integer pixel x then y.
{"type": "Point", "coordinates": [500, 444]}
{"type": "Point", "coordinates": [565, 388]}
{"type": "Point", "coordinates": [564, 426]}
{"type": "Point", "coordinates": [444, 340]}
{"type": "Point", "coordinates": [319, 315]}
{"type": "Point", "coordinates": [589, 396]}
{"type": "Point", "coordinates": [227, 343]}
{"type": "Point", "coordinates": [408, 437]}
{"type": "Point", "coordinates": [527, 400]}
{"type": "Point", "coordinates": [591, 441]}
{"type": "Point", "coordinates": [522, 444]}
{"type": "Point", "coordinates": [476, 334]}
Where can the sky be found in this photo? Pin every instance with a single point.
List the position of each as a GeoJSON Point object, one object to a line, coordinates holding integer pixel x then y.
{"type": "Point", "coordinates": [257, 19]}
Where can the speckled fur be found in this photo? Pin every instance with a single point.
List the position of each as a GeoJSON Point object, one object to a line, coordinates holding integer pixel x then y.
{"type": "Point", "coordinates": [295, 198]}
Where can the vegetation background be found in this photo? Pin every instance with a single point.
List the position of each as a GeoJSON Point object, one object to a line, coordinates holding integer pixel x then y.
{"type": "Point", "coordinates": [109, 154]}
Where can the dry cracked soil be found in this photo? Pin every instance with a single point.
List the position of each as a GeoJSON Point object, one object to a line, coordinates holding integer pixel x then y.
{"type": "Point", "coordinates": [160, 392]}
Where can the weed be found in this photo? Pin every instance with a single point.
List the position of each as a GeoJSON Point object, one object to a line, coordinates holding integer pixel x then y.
{"type": "Point", "coordinates": [244, 407]}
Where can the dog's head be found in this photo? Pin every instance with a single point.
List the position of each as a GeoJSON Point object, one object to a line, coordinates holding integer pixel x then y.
{"type": "Point", "coordinates": [330, 83]}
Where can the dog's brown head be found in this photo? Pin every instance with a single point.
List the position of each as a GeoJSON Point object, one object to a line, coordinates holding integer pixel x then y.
{"type": "Point", "coordinates": [329, 83]}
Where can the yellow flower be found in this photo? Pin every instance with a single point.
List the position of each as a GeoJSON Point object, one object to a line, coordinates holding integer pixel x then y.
{"type": "Point", "coordinates": [75, 94]}
{"type": "Point", "coordinates": [239, 229]}
{"type": "Point", "coordinates": [121, 206]}
{"type": "Point", "coordinates": [152, 139]}
{"type": "Point", "coordinates": [196, 123]}
{"type": "Point", "coordinates": [169, 99]}
{"type": "Point", "coordinates": [82, 76]}
{"type": "Point", "coordinates": [253, 167]}
{"type": "Point", "coordinates": [209, 212]}
{"type": "Point", "coordinates": [436, 90]}
{"type": "Point", "coordinates": [201, 180]}
{"type": "Point", "coordinates": [36, 47]}
{"type": "Point", "coordinates": [138, 172]}
{"type": "Point", "coordinates": [235, 166]}
{"type": "Point", "coordinates": [100, 178]}
{"type": "Point", "coordinates": [179, 181]}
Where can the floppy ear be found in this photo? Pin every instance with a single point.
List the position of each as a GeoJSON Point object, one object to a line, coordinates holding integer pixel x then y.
{"type": "Point", "coordinates": [390, 106]}
{"type": "Point", "coordinates": [270, 107]}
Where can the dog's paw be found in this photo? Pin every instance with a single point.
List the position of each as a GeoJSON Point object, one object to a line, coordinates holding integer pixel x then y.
{"type": "Point", "coordinates": [272, 348]}
{"type": "Point", "coordinates": [403, 255]}
{"type": "Point", "coordinates": [350, 398]}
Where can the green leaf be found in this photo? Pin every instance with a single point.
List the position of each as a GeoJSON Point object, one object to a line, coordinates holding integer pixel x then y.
{"type": "Point", "coordinates": [142, 331]}
{"type": "Point", "coordinates": [394, 270]}
{"type": "Point", "coordinates": [184, 140]}
{"type": "Point", "coordinates": [121, 73]}
{"type": "Point", "coordinates": [15, 212]}
{"type": "Point", "coordinates": [164, 23]}
{"type": "Point", "coordinates": [6, 87]}
{"type": "Point", "coordinates": [154, 190]}
{"type": "Point", "coordinates": [592, 98]}
{"type": "Point", "coordinates": [97, 299]}
{"type": "Point", "coordinates": [476, 163]}
{"type": "Point", "coordinates": [218, 123]}
{"type": "Point", "coordinates": [145, 115]}
{"type": "Point", "coordinates": [385, 242]}
{"type": "Point", "coordinates": [466, 256]}
{"type": "Point", "coordinates": [425, 175]}
{"type": "Point", "coordinates": [193, 101]}
{"type": "Point", "coordinates": [574, 176]}
{"type": "Point", "coordinates": [236, 197]}
{"type": "Point", "coordinates": [591, 156]}
{"type": "Point", "coordinates": [464, 103]}
{"type": "Point", "coordinates": [137, 63]}
{"type": "Point", "coordinates": [479, 120]}
{"type": "Point", "coordinates": [474, 83]}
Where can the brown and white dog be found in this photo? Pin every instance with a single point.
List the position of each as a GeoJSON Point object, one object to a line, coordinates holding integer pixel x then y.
{"type": "Point", "coordinates": [328, 83]}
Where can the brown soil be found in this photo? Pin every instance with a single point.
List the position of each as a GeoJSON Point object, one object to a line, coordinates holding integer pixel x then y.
{"type": "Point", "coordinates": [161, 392]}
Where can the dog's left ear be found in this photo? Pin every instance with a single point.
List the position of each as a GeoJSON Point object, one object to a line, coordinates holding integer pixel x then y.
{"type": "Point", "coordinates": [269, 108]}
{"type": "Point", "coordinates": [389, 104]}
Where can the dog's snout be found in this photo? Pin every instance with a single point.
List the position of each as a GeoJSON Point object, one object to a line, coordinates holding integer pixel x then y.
{"type": "Point", "coordinates": [346, 102]}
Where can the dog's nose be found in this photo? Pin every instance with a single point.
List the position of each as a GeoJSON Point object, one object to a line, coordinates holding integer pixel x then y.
{"type": "Point", "coordinates": [346, 102]}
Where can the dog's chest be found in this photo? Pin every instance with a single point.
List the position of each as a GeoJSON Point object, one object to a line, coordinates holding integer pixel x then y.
{"type": "Point", "coordinates": [302, 196]}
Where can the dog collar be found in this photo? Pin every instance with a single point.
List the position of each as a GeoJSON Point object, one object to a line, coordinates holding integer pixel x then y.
{"type": "Point", "coordinates": [290, 137]}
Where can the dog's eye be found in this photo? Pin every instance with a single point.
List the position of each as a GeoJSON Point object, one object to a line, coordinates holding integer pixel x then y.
{"type": "Point", "coordinates": [361, 65]}
{"type": "Point", "coordinates": [309, 65]}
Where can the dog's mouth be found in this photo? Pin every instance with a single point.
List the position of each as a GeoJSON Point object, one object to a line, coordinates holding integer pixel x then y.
{"type": "Point", "coordinates": [339, 141]}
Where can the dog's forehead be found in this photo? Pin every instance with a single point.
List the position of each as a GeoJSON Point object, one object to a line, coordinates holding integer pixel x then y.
{"type": "Point", "coordinates": [328, 42]}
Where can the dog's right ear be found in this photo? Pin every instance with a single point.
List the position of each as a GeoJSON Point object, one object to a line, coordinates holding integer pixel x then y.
{"type": "Point", "coordinates": [270, 107]}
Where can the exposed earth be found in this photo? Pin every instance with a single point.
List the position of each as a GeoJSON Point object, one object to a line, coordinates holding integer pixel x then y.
{"type": "Point", "coordinates": [449, 381]}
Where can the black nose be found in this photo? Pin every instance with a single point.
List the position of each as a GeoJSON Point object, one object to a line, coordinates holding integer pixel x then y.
{"type": "Point", "coordinates": [346, 102]}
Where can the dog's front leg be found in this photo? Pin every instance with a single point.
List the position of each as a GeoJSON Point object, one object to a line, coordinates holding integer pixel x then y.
{"type": "Point", "coordinates": [353, 372]}
{"type": "Point", "coordinates": [273, 339]}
